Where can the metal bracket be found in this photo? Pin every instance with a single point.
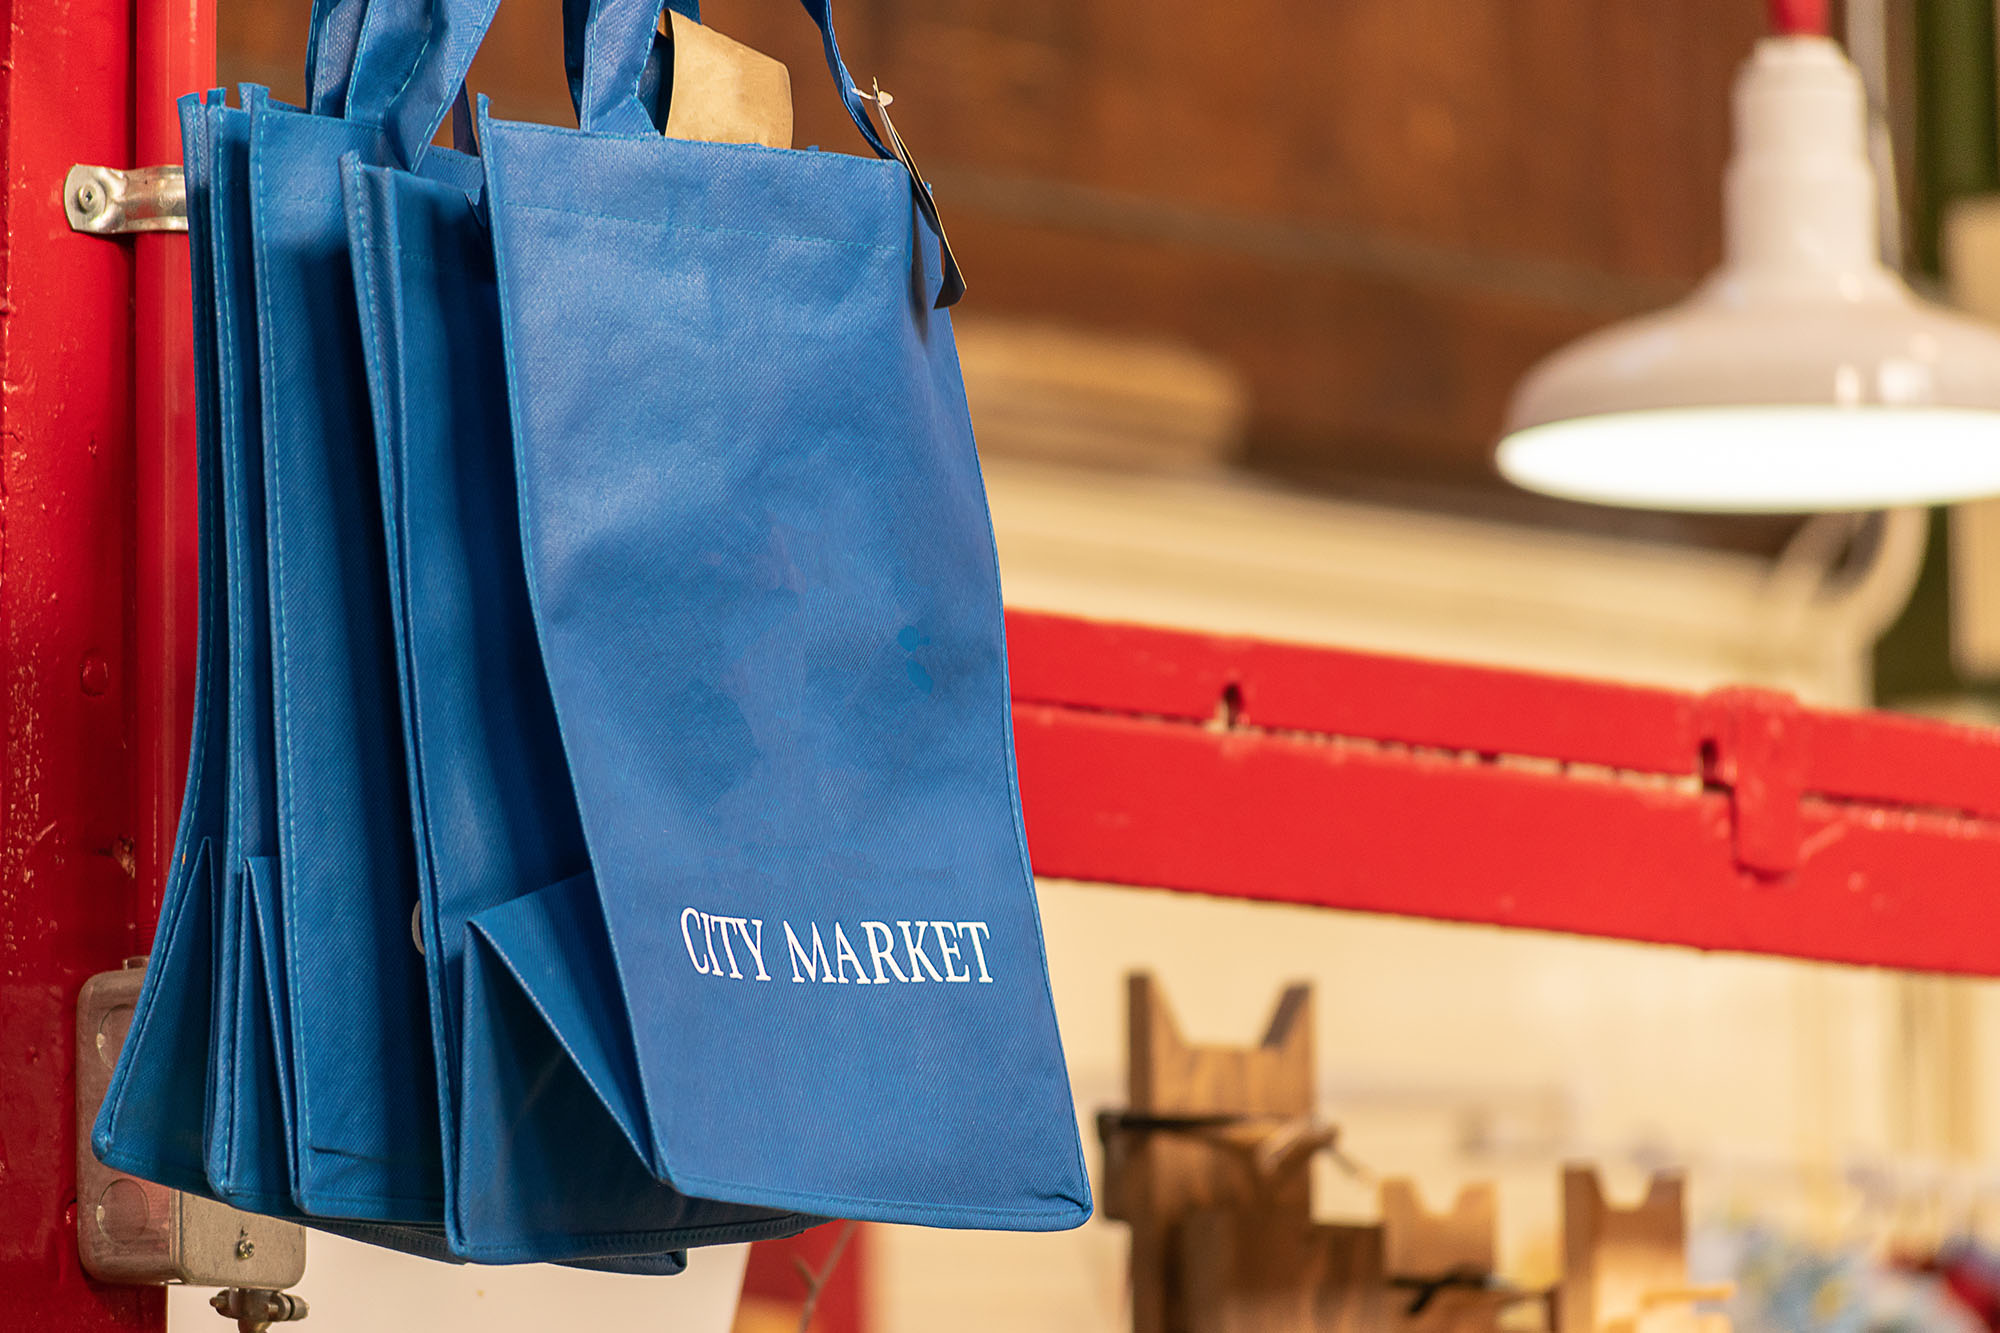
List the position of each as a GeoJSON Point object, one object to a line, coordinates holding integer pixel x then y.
{"type": "Point", "coordinates": [134, 1232]}
{"type": "Point", "coordinates": [105, 201]}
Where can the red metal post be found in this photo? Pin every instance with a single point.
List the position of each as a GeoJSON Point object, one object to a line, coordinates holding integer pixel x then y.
{"type": "Point", "coordinates": [96, 612]}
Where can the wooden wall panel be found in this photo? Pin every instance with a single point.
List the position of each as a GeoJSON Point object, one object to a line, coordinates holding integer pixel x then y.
{"type": "Point", "coordinates": [1381, 211]}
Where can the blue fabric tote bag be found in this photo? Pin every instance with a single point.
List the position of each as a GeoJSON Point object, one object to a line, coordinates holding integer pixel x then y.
{"type": "Point", "coordinates": [488, 786]}
{"type": "Point", "coordinates": [762, 578]}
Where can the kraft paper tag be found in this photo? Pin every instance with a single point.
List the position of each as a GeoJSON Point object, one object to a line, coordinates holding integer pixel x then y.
{"type": "Point", "coordinates": [726, 92]}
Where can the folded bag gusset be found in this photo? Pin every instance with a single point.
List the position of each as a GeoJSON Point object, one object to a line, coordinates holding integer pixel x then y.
{"type": "Point", "coordinates": [251, 1158]}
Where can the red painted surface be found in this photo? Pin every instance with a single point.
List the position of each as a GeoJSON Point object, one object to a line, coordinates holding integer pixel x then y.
{"type": "Point", "coordinates": [1798, 18]}
{"type": "Point", "coordinates": [176, 41]}
{"type": "Point", "coordinates": [775, 1283]}
{"type": "Point", "coordinates": [1737, 820]}
{"type": "Point", "coordinates": [93, 593]}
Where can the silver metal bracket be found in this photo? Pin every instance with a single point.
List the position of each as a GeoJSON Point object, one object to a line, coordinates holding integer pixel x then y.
{"type": "Point", "coordinates": [105, 201]}
{"type": "Point", "coordinates": [133, 1232]}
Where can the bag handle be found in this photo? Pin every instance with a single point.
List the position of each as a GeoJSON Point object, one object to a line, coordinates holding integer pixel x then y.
{"type": "Point", "coordinates": [330, 51]}
{"type": "Point", "coordinates": [414, 55]}
{"type": "Point", "coordinates": [616, 46]}
{"type": "Point", "coordinates": [618, 41]}
{"type": "Point", "coordinates": [412, 58]}
{"type": "Point", "coordinates": [576, 19]}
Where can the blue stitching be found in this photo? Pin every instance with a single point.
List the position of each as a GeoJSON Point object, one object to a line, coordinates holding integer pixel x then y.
{"type": "Point", "coordinates": [204, 668]}
{"type": "Point", "coordinates": [274, 512]}
{"type": "Point", "coordinates": [655, 225]}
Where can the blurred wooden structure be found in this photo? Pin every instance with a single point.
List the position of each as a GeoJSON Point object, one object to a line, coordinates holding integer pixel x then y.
{"type": "Point", "coordinates": [1209, 1164]}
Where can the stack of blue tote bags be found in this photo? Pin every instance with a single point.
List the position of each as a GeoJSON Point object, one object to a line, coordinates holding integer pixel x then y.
{"type": "Point", "coordinates": [601, 835]}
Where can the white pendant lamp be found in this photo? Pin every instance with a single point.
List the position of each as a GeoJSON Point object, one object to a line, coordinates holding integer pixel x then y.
{"type": "Point", "coordinates": [1802, 375]}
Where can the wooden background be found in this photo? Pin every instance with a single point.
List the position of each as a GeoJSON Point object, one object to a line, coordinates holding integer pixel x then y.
{"type": "Point", "coordinates": [1380, 211]}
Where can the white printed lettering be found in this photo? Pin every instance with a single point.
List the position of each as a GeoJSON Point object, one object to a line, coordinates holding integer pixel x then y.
{"type": "Point", "coordinates": [916, 951]}
{"type": "Point", "coordinates": [708, 937]}
{"type": "Point", "coordinates": [843, 953]}
{"type": "Point", "coordinates": [688, 939]}
{"type": "Point", "coordinates": [727, 947]}
{"type": "Point", "coordinates": [975, 929]}
{"type": "Point", "coordinates": [883, 951]}
{"type": "Point", "coordinates": [954, 969]}
{"type": "Point", "coordinates": [816, 964]}
{"type": "Point", "coordinates": [756, 945]}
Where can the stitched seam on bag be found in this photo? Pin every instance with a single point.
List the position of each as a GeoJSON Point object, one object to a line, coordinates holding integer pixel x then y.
{"type": "Point", "coordinates": [524, 504]}
{"type": "Point", "coordinates": [363, 217]}
{"type": "Point", "coordinates": [322, 1196]}
{"type": "Point", "coordinates": [421, 259]}
{"type": "Point", "coordinates": [204, 665]}
{"type": "Point", "coordinates": [571, 133]}
{"type": "Point", "coordinates": [233, 480]}
{"type": "Point", "coordinates": [404, 86]}
{"type": "Point", "coordinates": [708, 1185]}
{"type": "Point", "coordinates": [699, 229]}
{"type": "Point", "coordinates": [666, 1237]}
{"type": "Point", "coordinates": [274, 509]}
{"type": "Point", "coordinates": [999, 623]}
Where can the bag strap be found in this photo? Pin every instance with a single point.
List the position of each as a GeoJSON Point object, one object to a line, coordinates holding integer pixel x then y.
{"type": "Point", "coordinates": [413, 57]}
{"type": "Point", "coordinates": [619, 40]}
{"type": "Point", "coordinates": [617, 43]}
{"type": "Point", "coordinates": [659, 67]}
{"type": "Point", "coordinates": [330, 49]}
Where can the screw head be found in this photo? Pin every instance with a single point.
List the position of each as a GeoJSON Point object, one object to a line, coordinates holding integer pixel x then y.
{"type": "Point", "coordinates": [245, 1247]}
{"type": "Point", "coordinates": [86, 196]}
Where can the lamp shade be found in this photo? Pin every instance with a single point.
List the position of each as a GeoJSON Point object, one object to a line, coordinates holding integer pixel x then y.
{"type": "Point", "coordinates": [1803, 374]}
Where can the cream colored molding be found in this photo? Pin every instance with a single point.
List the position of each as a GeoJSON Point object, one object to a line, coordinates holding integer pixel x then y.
{"type": "Point", "coordinates": [1229, 554]}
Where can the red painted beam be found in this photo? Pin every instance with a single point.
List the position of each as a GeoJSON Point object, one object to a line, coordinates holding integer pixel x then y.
{"type": "Point", "coordinates": [1734, 821]}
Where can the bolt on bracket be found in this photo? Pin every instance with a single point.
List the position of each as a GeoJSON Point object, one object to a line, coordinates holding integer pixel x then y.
{"type": "Point", "coordinates": [104, 201]}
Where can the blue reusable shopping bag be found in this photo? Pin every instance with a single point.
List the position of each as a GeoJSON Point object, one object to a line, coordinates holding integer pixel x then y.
{"type": "Point", "coordinates": [766, 600]}
{"type": "Point", "coordinates": [792, 563]}
{"type": "Point", "coordinates": [488, 785]}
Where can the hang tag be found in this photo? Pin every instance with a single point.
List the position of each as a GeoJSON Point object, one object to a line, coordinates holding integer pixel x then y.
{"type": "Point", "coordinates": [726, 92]}
{"type": "Point", "coordinates": [954, 281]}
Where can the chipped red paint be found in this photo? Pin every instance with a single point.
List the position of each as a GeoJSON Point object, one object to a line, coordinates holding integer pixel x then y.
{"type": "Point", "coordinates": [95, 535]}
